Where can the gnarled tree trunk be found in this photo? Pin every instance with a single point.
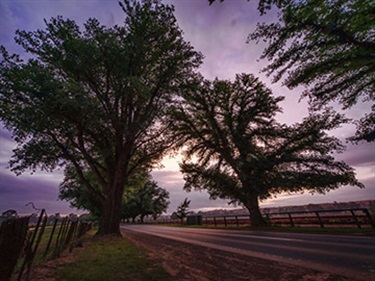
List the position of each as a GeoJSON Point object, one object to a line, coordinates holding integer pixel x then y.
{"type": "Point", "coordinates": [109, 222]}
{"type": "Point", "coordinates": [256, 218]}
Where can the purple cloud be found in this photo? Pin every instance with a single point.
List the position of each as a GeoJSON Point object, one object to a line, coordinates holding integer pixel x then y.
{"type": "Point", "coordinates": [16, 192]}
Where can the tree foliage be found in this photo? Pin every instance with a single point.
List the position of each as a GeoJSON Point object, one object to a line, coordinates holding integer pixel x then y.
{"type": "Point", "coordinates": [182, 209]}
{"type": "Point", "coordinates": [95, 98]}
{"type": "Point", "coordinates": [327, 46]}
{"type": "Point", "coordinates": [244, 155]}
{"type": "Point", "coordinates": [142, 196]}
{"type": "Point", "coordinates": [147, 199]}
{"type": "Point", "coordinates": [74, 190]}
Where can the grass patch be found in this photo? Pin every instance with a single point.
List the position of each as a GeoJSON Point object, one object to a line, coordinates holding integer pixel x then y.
{"type": "Point", "coordinates": [39, 257]}
{"type": "Point", "coordinates": [112, 259]}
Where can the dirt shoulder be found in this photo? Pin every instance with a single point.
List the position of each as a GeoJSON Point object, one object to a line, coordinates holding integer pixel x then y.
{"type": "Point", "coordinates": [195, 263]}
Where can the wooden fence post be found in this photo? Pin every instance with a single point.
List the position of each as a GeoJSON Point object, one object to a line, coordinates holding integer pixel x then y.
{"type": "Point", "coordinates": [33, 253]}
{"type": "Point", "coordinates": [70, 232]}
{"type": "Point", "coordinates": [65, 230]}
{"type": "Point", "coordinates": [319, 219]}
{"type": "Point", "coordinates": [371, 221]}
{"type": "Point", "coordinates": [51, 237]}
{"type": "Point", "coordinates": [29, 249]}
{"type": "Point", "coordinates": [355, 219]}
{"type": "Point", "coordinates": [291, 220]}
{"type": "Point", "coordinates": [13, 234]}
{"type": "Point", "coordinates": [61, 236]}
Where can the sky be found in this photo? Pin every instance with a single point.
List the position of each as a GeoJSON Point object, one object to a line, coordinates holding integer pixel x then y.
{"type": "Point", "coordinates": [219, 32]}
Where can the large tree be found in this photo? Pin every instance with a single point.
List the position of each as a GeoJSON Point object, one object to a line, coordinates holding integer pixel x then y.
{"type": "Point", "coordinates": [327, 46]}
{"type": "Point", "coordinates": [95, 98]}
{"type": "Point", "coordinates": [241, 153]}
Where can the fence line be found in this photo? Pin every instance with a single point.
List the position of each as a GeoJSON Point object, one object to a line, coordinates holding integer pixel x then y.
{"type": "Point", "coordinates": [323, 218]}
{"type": "Point", "coordinates": [359, 217]}
{"type": "Point", "coordinates": [28, 242]}
{"type": "Point", "coordinates": [13, 234]}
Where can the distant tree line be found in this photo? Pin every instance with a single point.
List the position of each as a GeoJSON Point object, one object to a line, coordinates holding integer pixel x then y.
{"type": "Point", "coordinates": [142, 197]}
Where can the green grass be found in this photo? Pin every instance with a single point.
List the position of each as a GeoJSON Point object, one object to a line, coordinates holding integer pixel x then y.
{"type": "Point", "coordinates": [40, 256]}
{"type": "Point", "coordinates": [112, 259]}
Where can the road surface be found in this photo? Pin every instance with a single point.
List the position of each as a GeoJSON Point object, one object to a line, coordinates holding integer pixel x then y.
{"type": "Point", "coordinates": [350, 256]}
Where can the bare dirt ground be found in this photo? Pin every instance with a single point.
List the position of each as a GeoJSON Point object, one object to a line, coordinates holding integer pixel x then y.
{"type": "Point", "coordinates": [186, 262]}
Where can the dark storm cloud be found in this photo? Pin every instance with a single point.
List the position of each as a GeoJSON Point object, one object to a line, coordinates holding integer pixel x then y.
{"type": "Point", "coordinates": [5, 135]}
{"type": "Point", "coordinates": [32, 189]}
{"type": "Point", "coordinates": [220, 31]}
{"type": "Point", "coordinates": [6, 147]}
{"type": "Point", "coordinates": [16, 192]}
{"type": "Point", "coordinates": [359, 155]}
{"type": "Point", "coordinates": [30, 15]}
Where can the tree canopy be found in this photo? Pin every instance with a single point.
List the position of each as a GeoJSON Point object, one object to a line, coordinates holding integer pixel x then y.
{"type": "Point", "coordinates": [182, 209]}
{"type": "Point", "coordinates": [142, 196]}
{"type": "Point", "coordinates": [327, 46]}
{"type": "Point", "coordinates": [94, 99]}
{"type": "Point", "coordinates": [74, 190]}
{"type": "Point", "coordinates": [244, 155]}
{"type": "Point", "coordinates": [146, 199]}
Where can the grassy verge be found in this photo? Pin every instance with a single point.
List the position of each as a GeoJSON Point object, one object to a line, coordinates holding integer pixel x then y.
{"type": "Point", "coordinates": [112, 259]}
{"type": "Point", "coordinates": [315, 230]}
{"type": "Point", "coordinates": [40, 256]}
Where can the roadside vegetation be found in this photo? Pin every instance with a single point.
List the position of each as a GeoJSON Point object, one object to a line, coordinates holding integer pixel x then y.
{"type": "Point", "coordinates": [113, 259]}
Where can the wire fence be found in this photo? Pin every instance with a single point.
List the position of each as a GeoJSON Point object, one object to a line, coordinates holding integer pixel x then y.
{"type": "Point", "coordinates": [22, 243]}
{"type": "Point", "coordinates": [359, 218]}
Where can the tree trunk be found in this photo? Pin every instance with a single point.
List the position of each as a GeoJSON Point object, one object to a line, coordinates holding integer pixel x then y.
{"type": "Point", "coordinates": [109, 222]}
{"type": "Point", "coordinates": [256, 218]}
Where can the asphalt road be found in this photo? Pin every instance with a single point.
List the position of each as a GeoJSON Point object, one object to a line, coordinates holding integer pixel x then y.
{"type": "Point", "coordinates": [350, 256]}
